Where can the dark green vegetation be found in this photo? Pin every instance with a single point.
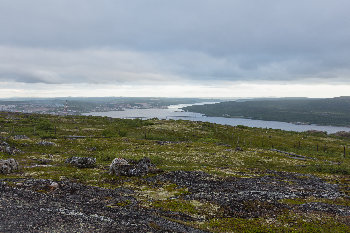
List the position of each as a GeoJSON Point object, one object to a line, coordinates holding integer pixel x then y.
{"type": "Point", "coordinates": [335, 111]}
{"type": "Point", "coordinates": [187, 146]}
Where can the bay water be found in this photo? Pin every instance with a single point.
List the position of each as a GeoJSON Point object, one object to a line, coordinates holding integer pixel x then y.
{"type": "Point", "coordinates": [175, 112]}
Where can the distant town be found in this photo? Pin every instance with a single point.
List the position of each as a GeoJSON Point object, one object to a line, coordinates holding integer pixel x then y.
{"type": "Point", "coordinates": [67, 109]}
{"type": "Point", "coordinates": [77, 106]}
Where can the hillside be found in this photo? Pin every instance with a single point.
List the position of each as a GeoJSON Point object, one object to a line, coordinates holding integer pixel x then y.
{"type": "Point", "coordinates": [334, 111]}
{"type": "Point", "coordinates": [200, 177]}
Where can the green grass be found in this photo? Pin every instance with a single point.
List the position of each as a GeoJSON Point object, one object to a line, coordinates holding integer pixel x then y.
{"type": "Point", "coordinates": [191, 146]}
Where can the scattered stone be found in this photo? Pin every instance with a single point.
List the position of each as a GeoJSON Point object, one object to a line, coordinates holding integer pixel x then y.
{"type": "Point", "coordinates": [46, 143]}
{"type": "Point", "coordinates": [8, 166]}
{"type": "Point", "coordinates": [54, 185]}
{"type": "Point", "coordinates": [120, 166]}
{"type": "Point", "coordinates": [166, 142]}
{"type": "Point", "coordinates": [238, 149]}
{"type": "Point", "coordinates": [20, 137]}
{"type": "Point", "coordinates": [91, 148]}
{"type": "Point", "coordinates": [6, 148]}
{"type": "Point", "coordinates": [82, 162]}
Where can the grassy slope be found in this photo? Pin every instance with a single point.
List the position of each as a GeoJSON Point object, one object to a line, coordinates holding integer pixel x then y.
{"type": "Point", "coordinates": [199, 146]}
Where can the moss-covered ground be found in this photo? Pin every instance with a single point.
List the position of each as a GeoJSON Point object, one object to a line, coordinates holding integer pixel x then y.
{"type": "Point", "coordinates": [182, 145]}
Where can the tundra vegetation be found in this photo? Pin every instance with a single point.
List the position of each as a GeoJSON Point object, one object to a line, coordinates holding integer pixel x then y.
{"type": "Point", "coordinates": [216, 178]}
{"type": "Point", "coordinates": [331, 111]}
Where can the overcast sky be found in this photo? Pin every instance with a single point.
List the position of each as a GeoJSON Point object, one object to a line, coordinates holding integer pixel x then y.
{"type": "Point", "coordinates": [205, 48]}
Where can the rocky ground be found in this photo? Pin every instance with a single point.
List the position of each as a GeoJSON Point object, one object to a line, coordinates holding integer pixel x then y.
{"type": "Point", "coordinates": [45, 206]}
{"type": "Point", "coordinates": [259, 196]}
{"type": "Point", "coordinates": [38, 205]}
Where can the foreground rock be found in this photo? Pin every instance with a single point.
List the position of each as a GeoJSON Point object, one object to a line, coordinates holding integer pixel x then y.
{"type": "Point", "coordinates": [82, 162]}
{"type": "Point", "coordinates": [8, 166]}
{"type": "Point", "coordinates": [63, 206]}
{"type": "Point", "coordinates": [120, 166]}
{"type": "Point", "coordinates": [46, 206]}
{"type": "Point", "coordinates": [258, 196]}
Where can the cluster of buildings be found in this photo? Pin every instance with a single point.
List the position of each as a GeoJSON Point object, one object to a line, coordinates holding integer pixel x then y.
{"type": "Point", "coordinates": [37, 108]}
{"type": "Point", "coordinates": [67, 108]}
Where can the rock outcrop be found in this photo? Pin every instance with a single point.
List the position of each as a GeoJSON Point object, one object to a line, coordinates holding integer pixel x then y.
{"type": "Point", "coordinates": [46, 143]}
{"type": "Point", "coordinates": [64, 206]}
{"type": "Point", "coordinates": [7, 166]}
{"type": "Point", "coordinates": [20, 137]}
{"type": "Point", "coordinates": [82, 162]}
{"type": "Point", "coordinates": [120, 166]}
{"type": "Point", "coordinates": [6, 148]}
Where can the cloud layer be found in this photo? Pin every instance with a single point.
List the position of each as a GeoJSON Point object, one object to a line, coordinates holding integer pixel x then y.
{"type": "Point", "coordinates": [170, 42]}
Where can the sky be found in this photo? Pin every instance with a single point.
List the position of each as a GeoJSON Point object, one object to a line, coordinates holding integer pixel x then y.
{"type": "Point", "coordinates": [182, 48]}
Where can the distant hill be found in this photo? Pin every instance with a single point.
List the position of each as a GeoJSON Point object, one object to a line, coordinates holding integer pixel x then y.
{"type": "Point", "coordinates": [332, 111]}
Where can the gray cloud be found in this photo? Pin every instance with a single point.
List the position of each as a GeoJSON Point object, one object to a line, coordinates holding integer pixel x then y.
{"type": "Point", "coordinates": [34, 65]}
{"type": "Point", "coordinates": [117, 41]}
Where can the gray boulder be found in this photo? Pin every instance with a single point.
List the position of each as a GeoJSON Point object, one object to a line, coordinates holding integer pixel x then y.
{"type": "Point", "coordinates": [6, 148]}
{"type": "Point", "coordinates": [7, 166]}
{"type": "Point", "coordinates": [46, 143]}
{"type": "Point", "coordinates": [20, 137]}
{"type": "Point", "coordinates": [120, 166]}
{"type": "Point", "coordinates": [82, 162]}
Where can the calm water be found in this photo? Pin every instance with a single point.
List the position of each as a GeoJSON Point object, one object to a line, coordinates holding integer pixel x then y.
{"type": "Point", "coordinates": [175, 112]}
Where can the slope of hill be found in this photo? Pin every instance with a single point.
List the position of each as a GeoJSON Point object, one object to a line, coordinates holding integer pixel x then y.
{"type": "Point", "coordinates": [335, 111]}
{"type": "Point", "coordinates": [208, 177]}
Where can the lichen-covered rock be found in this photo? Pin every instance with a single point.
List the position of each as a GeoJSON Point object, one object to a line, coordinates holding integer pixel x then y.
{"type": "Point", "coordinates": [54, 185]}
{"type": "Point", "coordinates": [120, 166]}
{"type": "Point", "coordinates": [8, 166]}
{"type": "Point", "coordinates": [82, 162]}
{"type": "Point", "coordinates": [119, 161]}
{"type": "Point", "coordinates": [6, 148]}
{"type": "Point", "coordinates": [64, 206]}
{"type": "Point", "coordinates": [46, 143]}
{"type": "Point", "coordinates": [4, 144]}
{"type": "Point", "coordinates": [20, 137]}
